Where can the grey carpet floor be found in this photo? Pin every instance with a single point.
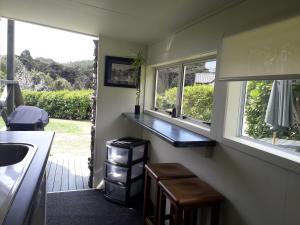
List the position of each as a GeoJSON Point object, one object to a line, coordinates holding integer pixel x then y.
{"type": "Point", "coordinates": [89, 207]}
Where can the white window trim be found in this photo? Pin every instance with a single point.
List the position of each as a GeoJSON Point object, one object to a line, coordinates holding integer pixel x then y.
{"type": "Point", "coordinates": [273, 155]}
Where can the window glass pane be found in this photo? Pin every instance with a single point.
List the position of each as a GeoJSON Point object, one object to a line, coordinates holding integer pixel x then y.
{"type": "Point", "coordinates": [199, 78]}
{"type": "Point", "coordinates": [272, 112]}
{"type": "Point", "coordinates": [3, 43]}
{"type": "Point", "coordinates": [166, 88]}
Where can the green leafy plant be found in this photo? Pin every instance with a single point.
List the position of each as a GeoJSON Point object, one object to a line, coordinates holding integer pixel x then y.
{"type": "Point", "coordinates": [61, 84]}
{"type": "Point", "coordinates": [64, 104]}
{"type": "Point", "coordinates": [258, 93]}
{"type": "Point", "coordinates": [197, 101]}
{"type": "Point", "coordinates": [138, 62]}
{"type": "Point", "coordinates": [257, 98]}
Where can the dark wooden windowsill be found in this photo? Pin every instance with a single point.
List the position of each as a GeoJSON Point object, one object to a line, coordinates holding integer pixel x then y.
{"type": "Point", "coordinates": [173, 134]}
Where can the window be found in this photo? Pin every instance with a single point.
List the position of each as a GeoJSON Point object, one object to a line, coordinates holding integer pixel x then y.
{"type": "Point", "coordinates": [198, 89]}
{"type": "Point", "coordinates": [187, 88]}
{"type": "Point", "coordinates": [3, 47]}
{"type": "Point", "coordinates": [272, 112]}
{"type": "Point", "coordinates": [167, 81]}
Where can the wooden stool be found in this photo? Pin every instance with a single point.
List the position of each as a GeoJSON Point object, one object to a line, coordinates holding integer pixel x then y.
{"type": "Point", "coordinates": [186, 196]}
{"type": "Point", "coordinates": [157, 172]}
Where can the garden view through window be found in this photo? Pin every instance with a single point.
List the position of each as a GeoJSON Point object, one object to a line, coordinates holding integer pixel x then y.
{"type": "Point", "coordinates": [272, 112]}
{"type": "Point", "coordinates": [166, 88]}
{"type": "Point", "coordinates": [198, 90]}
{"type": "Point", "coordinates": [189, 90]}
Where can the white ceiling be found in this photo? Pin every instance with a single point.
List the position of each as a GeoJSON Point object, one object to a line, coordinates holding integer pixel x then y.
{"type": "Point", "coordinates": [135, 20]}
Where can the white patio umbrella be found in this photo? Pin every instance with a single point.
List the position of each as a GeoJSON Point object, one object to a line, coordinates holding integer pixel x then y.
{"type": "Point", "coordinates": [280, 105]}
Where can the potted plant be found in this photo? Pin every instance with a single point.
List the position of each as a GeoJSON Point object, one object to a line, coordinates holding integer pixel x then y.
{"type": "Point", "coordinates": [138, 61]}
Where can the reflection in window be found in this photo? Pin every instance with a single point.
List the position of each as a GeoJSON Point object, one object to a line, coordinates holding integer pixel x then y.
{"type": "Point", "coordinates": [166, 88]}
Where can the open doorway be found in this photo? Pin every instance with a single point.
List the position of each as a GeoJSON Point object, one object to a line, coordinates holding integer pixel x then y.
{"type": "Point", "coordinates": [55, 70]}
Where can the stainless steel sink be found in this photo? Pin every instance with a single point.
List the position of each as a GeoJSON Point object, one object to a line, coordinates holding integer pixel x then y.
{"type": "Point", "coordinates": [12, 153]}
{"type": "Point", "coordinates": [15, 159]}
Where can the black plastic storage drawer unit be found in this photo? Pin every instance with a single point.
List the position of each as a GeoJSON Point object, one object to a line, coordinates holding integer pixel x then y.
{"type": "Point", "coordinates": [126, 151]}
{"type": "Point", "coordinates": [124, 175]}
{"type": "Point", "coordinates": [122, 193]}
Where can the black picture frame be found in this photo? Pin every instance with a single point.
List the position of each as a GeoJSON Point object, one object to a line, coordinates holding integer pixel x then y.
{"type": "Point", "coordinates": [119, 72]}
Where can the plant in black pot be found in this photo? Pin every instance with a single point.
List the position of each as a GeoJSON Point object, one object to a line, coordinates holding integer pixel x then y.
{"type": "Point", "coordinates": [138, 62]}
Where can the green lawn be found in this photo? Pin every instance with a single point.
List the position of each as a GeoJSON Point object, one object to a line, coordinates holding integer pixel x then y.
{"type": "Point", "coordinates": [2, 124]}
{"type": "Point", "coordinates": [71, 136]}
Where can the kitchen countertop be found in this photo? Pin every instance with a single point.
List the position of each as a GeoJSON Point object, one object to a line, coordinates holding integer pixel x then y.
{"type": "Point", "coordinates": [21, 204]}
{"type": "Point", "coordinates": [14, 162]}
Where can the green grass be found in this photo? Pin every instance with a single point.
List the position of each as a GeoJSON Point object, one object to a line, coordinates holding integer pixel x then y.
{"type": "Point", "coordinates": [71, 136]}
{"type": "Point", "coordinates": [68, 126]}
{"type": "Point", "coordinates": [2, 124]}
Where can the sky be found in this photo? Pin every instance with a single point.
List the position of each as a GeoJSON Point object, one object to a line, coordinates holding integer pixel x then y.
{"type": "Point", "coordinates": [211, 66]}
{"type": "Point", "coordinates": [61, 46]}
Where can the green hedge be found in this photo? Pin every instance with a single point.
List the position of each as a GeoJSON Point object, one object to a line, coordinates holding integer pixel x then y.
{"type": "Point", "coordinates": [65, 104]}
{"type": "Point", "coordinates": [197, 101]}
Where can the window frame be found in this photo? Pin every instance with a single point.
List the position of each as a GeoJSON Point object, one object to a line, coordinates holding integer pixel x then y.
{"type": "Point", "coordinates": [228, 133]}
{"type": "Point", "coordinates": [180, 88]}
{"type": "Point", "coordinates": [243, 93]}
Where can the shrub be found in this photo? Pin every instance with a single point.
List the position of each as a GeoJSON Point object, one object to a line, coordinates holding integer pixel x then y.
{"type": "Point", "coordinates": [166, 100]}
{"type": "Point", "coordinates": [257, 98]}
{"type": "Point", "coordinates": [197, 101]}
{"type": "Point", "coordinates": [258, 93]}
{"type": "Point", "coordinates": [41, 81]}
{"type": "Point", "coordinates": [74, 105]}
{"type": "Point", "coordinates": [61, 84]}
{"type": "Point", "coordinates": [32, 97]}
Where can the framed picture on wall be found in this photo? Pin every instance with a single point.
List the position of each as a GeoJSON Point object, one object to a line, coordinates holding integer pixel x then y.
{"type": "Point", "coordinates": [119, 72]}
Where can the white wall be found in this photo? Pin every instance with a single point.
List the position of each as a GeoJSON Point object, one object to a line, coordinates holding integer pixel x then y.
{"type": "Point", "coordinates": [257, 192]}
{"type": "Point", "coordinates": [206, 35]}
{"type": "Point", "coordinates": [112, 102]}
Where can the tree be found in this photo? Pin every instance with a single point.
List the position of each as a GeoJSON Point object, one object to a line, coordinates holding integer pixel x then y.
{"type": "Point", "coordinates": [82, 76]}
{"type": "Point", "coordinates": [3, 67]}
{"type": "Point", "coordinates": [257, 98]}
{"type": "Point", "coordinates": [61, 84]}
{"type": "Point", "coordinates": [54, 69]}
{"type": "Point", "coordinates": [2, 75]}
{"type": "Point", "coordinates": [41, 81]}
{"type": "Point", "coordinates": [27, 60]}
{"type": "Point", "coordinates": [78, 74]}
{"type": "Point", "coordinates": [69, 73]}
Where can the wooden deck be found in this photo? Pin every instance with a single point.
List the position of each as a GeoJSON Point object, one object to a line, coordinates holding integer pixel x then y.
{"type": "Point", "coordinates": [67, 173]}
{"type": "Point", "coordinates": [284, 143]}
